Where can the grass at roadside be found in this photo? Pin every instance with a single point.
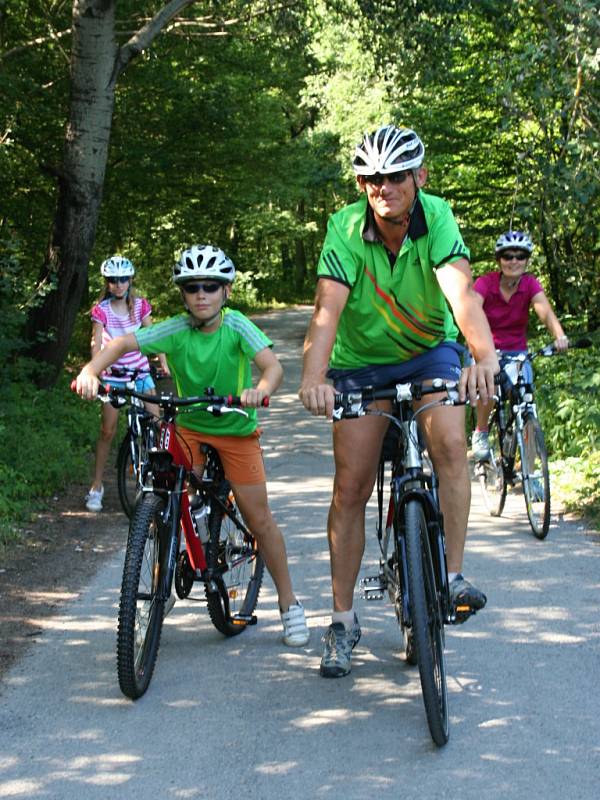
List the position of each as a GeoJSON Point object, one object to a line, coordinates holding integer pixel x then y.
{"type": "Point", "coordinates": [576, 485]}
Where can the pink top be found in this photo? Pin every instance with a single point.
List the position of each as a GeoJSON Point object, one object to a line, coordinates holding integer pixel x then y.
{"type": "Point", "coordinates": [508, 320]}
{"type": "Point", "coordinates": [114, 325]}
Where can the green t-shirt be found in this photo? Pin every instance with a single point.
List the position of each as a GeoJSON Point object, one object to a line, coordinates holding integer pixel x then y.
{"type": "Point", "coordinates": [221, 359]}
{"type": "Point", "coordinates": [393, 313]}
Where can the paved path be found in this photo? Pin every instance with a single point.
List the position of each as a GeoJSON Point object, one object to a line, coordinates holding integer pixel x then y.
{"type": "Point", "coordinates": [248, 718]}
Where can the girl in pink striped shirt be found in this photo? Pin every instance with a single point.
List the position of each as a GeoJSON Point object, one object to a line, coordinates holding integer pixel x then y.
{"type": "Point", "coordinates": [117, 312]}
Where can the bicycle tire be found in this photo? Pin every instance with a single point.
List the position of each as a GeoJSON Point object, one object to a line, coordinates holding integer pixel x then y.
{"type": "Point", "coordinates": [538, 508]}
{"type": "Point", "coordinates": [126, 477]}
{"type": "Point", "coordinates": [141, 611]}
{"type": "Point", "coordinates": [237, 569]}
{"type": "Point", "coordinates": [397, 597]}
{"type": "Point", "coordinates": [427, 621]}
{"type": "Point", "coordinates": [491, 473]}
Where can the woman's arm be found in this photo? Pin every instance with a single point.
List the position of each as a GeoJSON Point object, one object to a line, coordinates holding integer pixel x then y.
{"type": "Point", "coordinates": [96, 342]}
{"type": "Point", "coordinates": [541, 306]}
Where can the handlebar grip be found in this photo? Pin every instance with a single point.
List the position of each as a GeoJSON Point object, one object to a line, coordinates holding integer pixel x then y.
{"type": "Point", "coordinates": [235, 400]}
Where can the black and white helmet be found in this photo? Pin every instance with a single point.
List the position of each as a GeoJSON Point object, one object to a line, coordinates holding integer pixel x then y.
{"type": "Point", "coordinates": [117, 267]}
{"type": "Point", "coordinates": [388, 149]}
{"type": "Point", "coordinates": [516, 240]}
{"type": "Point", "coordinates": [204, 261]}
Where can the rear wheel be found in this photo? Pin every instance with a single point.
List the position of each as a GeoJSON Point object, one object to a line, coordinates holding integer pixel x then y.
{"type": "Point", "coordinates": [141, 608]}
{"type": "Point", "coordinates": [491, 473]}
{"type": "Point", "coordinates": [427, 621]}
{"type": "Point", "coordinates": [130, 468]}
{"type": "Point", "coordinates": [536, 478]}
{"type": "Point", "coordinates": [237, 570]}
{"type": "Point", "coordinates": [126, 477]}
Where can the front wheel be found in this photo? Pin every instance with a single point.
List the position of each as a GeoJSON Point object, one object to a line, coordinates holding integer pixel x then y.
{"type": "Point", "coordinates": [491, 473]}
{"type": "Point", "coordinates": [141, 608]}
{"type": "Point", "coordinates": [427, 621]}
{"type": "Point", "coordinates": [536, 478]}
{"type": "Point", "coordinates": [237, 570]}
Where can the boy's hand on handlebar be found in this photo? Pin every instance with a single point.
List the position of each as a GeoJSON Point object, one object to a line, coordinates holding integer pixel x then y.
{"type": "Point", "coordinates": [254, 398]}
{"type": "Point", "coordinates": [477, 381]}
{"type": "Point", "coordinates": [87, 384]}
{"type": "Point", "coordinates": [319, 399]}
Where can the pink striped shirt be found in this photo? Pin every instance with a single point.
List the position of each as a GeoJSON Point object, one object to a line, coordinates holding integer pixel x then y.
{"type": "Point", "coordinates": [114, 325]}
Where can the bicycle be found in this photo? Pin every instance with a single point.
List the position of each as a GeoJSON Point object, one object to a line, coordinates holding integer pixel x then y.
{"type": "Point", "coordinates": [139, 439]}
{"type": "Point", "coordinates": [517, 449]}
{"type": "Point", "coordinates": [219, 550]}
{"type": "Point", "coordinates": [412, 565]}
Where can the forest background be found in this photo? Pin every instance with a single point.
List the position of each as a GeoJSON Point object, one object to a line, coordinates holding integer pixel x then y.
{"type": "Point", "coordinates": [142, 127]}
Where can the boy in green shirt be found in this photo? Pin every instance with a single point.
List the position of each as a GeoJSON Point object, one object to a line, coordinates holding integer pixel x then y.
{"type": "Point", "coordinates": [209, 345]}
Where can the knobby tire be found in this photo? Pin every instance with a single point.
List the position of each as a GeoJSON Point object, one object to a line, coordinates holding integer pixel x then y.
{"type": "Point", "coordinates": [237, 569]}
{"type": "Point", "coordinates": [126, 477]}
{"type": "Point", "coordinates": [141, 610]}
{"type": "Point", "coordinates": [538, 511]}
{"type": "Point", "coordinates": [427, 621]}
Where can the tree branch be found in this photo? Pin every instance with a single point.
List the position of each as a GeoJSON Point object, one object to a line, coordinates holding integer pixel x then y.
{"type": "Point", "coordinates": [146, 35]}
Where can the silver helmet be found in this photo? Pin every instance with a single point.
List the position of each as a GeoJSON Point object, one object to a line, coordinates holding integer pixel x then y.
{"type": "Point", "coordinates": [117, 267]}
{"type": "Point", "coordinates": [204, 261]}
{"type": "Point", "coordinates": [388, 149]}
{"type": "Point", "coordinates": [516, 240]}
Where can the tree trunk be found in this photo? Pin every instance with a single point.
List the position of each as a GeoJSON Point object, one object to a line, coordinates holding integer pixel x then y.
{"type": "Point", "coordinates": [63, 278]}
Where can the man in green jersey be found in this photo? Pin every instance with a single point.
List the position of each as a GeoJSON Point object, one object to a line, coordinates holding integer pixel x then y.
{"type": "Point", "coordinates": [394, 289]}
{"type": "Point", "coordinates": [210, 345]}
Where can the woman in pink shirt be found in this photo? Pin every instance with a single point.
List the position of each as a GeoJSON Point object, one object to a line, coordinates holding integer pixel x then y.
{"type": "Point", "coordinates": [117, 312]}
{"type": "Point", "coordinates": [506, 296]}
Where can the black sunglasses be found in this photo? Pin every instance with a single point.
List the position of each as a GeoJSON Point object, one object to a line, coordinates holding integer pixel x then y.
{"type": "Point", "coordinates": [205, 288]}
{"type": "Point", "coordinates": [120, 279]}
{"type": "Point", "coordinates": [393, 177]}
{"type": "Point", "coordinates": [514, 256]}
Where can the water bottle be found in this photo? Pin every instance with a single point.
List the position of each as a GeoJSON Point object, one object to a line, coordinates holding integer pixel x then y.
{"type": "Point", "coordinates": [200, 514]}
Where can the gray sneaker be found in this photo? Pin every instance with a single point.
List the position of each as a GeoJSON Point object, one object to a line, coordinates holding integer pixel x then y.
{"type": "Point", "coordinates": [480, 446]}
{"type": "Point", "coordinates": [463, 593]}
{"type": "Point", "coordinates": [339, 644]}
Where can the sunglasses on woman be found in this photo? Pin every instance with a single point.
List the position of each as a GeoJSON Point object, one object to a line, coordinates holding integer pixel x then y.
{"type": "Point", "coordinates": [205, 288]}
{"type": "Point", "coordinates": [393, 177]}
{"type": "Point", "coordinates": [120, 279]}
{"type": "Point", "coordinates": [514, 256]}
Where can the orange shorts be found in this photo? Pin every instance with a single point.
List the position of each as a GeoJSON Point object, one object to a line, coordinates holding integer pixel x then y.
{"type": "Point", "coordinates": [241, 456]}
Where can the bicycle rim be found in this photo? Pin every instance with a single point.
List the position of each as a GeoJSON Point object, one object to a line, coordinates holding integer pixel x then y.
{"type": "Point", "coordinates": [141, 610]}
{"type": "Point", "coordinates": [427, 622]}
{"type": "Point", "coordinates": [237, 569]}
{"type": "Point", "coordinates": [536, 478]}
{"type": "Point", "coordinates": [491, 474]}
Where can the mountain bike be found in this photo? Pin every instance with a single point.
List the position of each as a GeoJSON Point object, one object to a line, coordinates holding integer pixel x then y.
{"type": "Point", "coordinates": [218, 549]}
{"type": "Point", "coordinates": [139, 439]}
{"type": "Point", "coordinates": [517, 450]}
{"type": "Point", "coordinates": [412, 565]}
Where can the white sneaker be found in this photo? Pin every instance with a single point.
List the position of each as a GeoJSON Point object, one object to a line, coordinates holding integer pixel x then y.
{"type": "Point", "coordinates": [93, 500]}
{"type": "Point", "coordinates": [295, 629]}
{"type": "Point", "coordinates": [480, 446]}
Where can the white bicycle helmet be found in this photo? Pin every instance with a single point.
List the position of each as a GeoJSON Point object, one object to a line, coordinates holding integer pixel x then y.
{"type": "Point", "coordinates": [388, 149]}
{"type": "Point", "coordinates": [117, 267]}
{"type": "Point", "coordinates": [516, 240]}
{"type": "Point", "coordinates": [204, 261]}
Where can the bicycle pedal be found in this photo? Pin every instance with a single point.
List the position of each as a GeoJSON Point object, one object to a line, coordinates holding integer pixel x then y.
{"type": "Point", "coordinates": [244, 619]}
{"type": "Point", "coordinates": [372, 588]}
{"type": "Point", "coordinates": [461, 614]}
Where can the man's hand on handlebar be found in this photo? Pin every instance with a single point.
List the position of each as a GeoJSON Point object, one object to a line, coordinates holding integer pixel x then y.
{"type": "Point", "coordinates": [477, 381]}
{"type": "Point", "coordinates": [319, 399]}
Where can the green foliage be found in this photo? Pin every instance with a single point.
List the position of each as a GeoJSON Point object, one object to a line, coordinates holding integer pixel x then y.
{"type": "Point", "coordinates": [46, 438]}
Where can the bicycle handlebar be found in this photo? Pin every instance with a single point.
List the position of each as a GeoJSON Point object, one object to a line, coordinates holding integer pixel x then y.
{"type": "Point", "coordinates": [350, 404]}
{"type": "Point", "coordinates": [171, 400]}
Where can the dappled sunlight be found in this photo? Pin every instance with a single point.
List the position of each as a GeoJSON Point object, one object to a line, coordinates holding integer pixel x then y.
{"type": "Point", "coordinates": [328, 716]}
